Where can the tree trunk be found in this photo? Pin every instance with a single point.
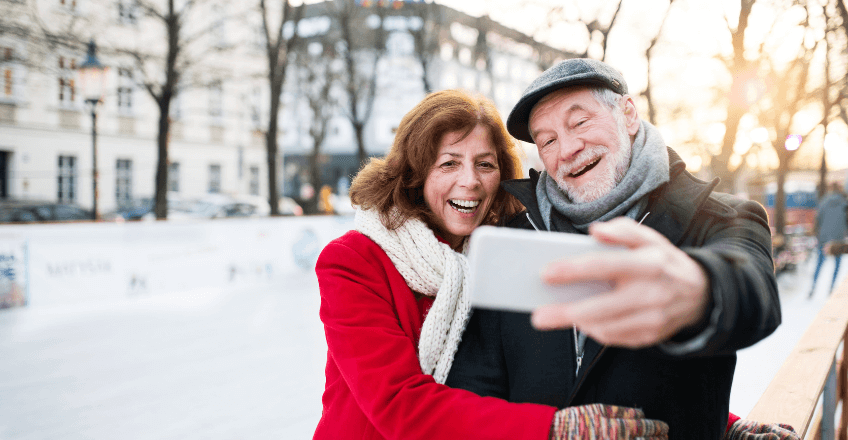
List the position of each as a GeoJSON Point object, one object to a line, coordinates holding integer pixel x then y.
{"type": "Point", "coordinates": [271, 157]}
{"type": "Point", "coordinates": [315, 180]}
{"type": "Point", "coordinates": [161, 208]}
{"type": "Point", "coordinates": [361, 154]}
{"type": "Point", "coordinates": [823, 175]}
{"type": "Point", "coordinates": [424, 79]}
{"type": "Point", "coordinates": [780, 197]}
{"type": "Point", "coordinates": [720, 164]}
{"type": "Point", "coordinates": [172, 23]}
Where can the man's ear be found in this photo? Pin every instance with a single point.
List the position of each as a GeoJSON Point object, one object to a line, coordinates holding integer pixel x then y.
{"type": "Point", "coordinates": [631, 116]}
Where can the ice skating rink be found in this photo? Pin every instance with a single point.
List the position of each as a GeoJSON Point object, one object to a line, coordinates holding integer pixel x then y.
{"type": "Point", "coordinates": [222, 363]}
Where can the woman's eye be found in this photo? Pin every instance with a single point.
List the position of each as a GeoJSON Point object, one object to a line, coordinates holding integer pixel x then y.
{"type": "Point", "coordinates": [488, 165]}
{"type": "Point", "coordinates": [450, 163]}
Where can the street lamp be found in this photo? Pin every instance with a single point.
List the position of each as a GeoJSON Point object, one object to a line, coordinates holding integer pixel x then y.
{"type": "Point", "coordinates": [92, 84]}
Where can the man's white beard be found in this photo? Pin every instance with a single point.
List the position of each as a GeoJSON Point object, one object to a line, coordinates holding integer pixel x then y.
{"type": "Point", "coordinates": [602, 185]}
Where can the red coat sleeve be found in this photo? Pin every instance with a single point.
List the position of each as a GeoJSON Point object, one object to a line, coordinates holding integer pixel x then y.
{"type": "Point", "coordinates": [376, 356]}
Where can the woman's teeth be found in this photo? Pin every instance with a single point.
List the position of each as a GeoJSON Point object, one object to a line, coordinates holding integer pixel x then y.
{"type": "Point", "coordinates": [464, 206]}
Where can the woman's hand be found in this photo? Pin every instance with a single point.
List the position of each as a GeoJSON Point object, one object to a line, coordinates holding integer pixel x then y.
{"type": "Point", "coordinates": [597, 422]}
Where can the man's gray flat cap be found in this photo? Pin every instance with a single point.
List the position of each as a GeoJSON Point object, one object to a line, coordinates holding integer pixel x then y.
{"type": "Point", "coordinates": [568, 73]}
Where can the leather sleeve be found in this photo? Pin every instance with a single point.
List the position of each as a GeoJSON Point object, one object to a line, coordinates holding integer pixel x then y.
{"type": "Point", "coordinates": [736, 254]}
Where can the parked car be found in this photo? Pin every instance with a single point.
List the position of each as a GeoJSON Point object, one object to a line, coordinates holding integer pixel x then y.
{"type": "Point", "coordinates": [207, 206]}
{"type": "Point", "coordinates": [214, 206]}
{"type": "Point", "coordinates": [135, 210]}
{"type": "Point", "coordinates": [288, 206]}
{"type": "Point", "coordinates": [28, 211]}
{"type": "Point", "coordinates": [143, 209]}
{"type": "Point", "coordinates": [342, 205]}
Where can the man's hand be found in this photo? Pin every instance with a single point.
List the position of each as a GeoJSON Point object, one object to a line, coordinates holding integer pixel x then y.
{"type": "Point", "coordinates": [657, 289]}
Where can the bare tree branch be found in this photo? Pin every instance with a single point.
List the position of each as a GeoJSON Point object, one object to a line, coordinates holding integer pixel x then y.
{"type": "Point", "coordinates": [652, 113]}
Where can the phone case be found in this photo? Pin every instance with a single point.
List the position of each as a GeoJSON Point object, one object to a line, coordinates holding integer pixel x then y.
{"type": "Point", "coordinates": [506, 266]}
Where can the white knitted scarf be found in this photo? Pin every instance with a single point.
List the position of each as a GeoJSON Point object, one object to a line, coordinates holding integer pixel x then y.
{"type": "Point", "coordinates": [432, 268]}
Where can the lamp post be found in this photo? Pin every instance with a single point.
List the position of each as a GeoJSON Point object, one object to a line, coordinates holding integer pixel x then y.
{"type": "Point", "coordinates": [92, 82]}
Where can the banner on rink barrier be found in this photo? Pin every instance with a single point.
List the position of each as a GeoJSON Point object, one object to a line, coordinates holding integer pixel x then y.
{"type": "Point", "coordinates": [13, 273]}
{"type": "Point", "coordinates": [73, 264]}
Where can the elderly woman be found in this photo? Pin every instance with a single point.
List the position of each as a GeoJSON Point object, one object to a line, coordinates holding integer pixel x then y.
{"type": "Point", "coordinates": [394, 301]}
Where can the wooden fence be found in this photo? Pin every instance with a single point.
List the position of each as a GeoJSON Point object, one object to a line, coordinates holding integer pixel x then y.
{"type": "Point", "coordinates": [811, 371]}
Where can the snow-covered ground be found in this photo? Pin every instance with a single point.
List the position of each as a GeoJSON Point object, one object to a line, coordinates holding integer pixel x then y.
{"type": "Point", "coordinates": [224, 363]}
{"type": "Point", "coordinates": [757, 365]}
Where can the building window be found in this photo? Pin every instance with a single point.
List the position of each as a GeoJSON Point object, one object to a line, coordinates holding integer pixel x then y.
{"type": "Point", "coordinates": [256, 108]}
{"type": "Point", "coordinates": [465, 56]}
{"type": "Point", "coordinates": [501, 67]}
{"type": "Point", "coordinates": [254, 181]}
{"type": "Point", "coordinates": [176, 109]}
{"type": "Point", "coordinates": [400, 44]}
{"type": "Point", "coordinates": [7, 82]}
{"type": "Point", "coordinates": [174, 177]}
{"type": "Point", "coordinates": [67, 180]}
{"type": "Point", "coordinates": [127, 11]}
{"type": "Point", "coordinates": [67, 88]}
{"type": "Point", "coordinates": [123, 182]}
{"type": "Point", "coordinates": [125, 90]}
{"type": "Point", "coordinates": [217, 30]}
{"type": "Point", "coordinates": [446, 51]}
{"type": "Point", "coordinates": [216, 97]}
{"type": "Point", "coordinates": [259, 41]}
{"type": "Point", "coordinates": [214, 178]}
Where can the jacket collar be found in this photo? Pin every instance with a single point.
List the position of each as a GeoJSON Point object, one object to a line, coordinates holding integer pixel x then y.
{"type": "Point", "coordinates": [674, 205]}
{"type": "Point", "coordinates": [525, 191]}
{"type": "Point", "coordinates": [671, 208]}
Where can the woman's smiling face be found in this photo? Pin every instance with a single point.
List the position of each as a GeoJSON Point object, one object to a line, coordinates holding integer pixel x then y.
{"type": "Point", "coordinates": [462, 184]}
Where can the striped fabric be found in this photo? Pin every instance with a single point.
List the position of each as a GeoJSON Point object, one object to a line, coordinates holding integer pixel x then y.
{"type": "Point", "coordinates": [597, 421]}
{"type": "Point", "coordinates": [751, 430]}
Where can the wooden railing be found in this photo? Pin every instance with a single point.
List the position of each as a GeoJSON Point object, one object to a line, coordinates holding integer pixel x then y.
{"type": "Point", "coordinates": [812, 371]}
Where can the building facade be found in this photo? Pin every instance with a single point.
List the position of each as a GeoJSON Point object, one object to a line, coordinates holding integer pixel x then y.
{"type": "Point", "coordinates": [219, 116]}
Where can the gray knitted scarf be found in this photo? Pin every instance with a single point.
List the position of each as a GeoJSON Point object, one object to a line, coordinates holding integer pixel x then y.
{"type": "Point", "coordinates": [648, 170]}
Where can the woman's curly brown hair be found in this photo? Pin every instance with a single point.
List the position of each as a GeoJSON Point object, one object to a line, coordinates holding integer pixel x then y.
{"type": "Point", "coordinates": [397, 181]}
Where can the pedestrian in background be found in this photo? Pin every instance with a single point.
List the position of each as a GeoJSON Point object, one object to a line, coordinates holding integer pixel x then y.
{"type": "Point", "coordinates": [831, 225]}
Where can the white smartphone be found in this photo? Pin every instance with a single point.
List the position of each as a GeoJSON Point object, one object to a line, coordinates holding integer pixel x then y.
{"type": "Point", "coordinates": [506, 266]}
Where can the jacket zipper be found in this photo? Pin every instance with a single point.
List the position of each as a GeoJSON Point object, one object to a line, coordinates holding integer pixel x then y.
{"type": "Point", "coordinates": [597, 356]}
{"type": "Point", "coordinates": [586, 373]}
{"type": "Point", "coordinates": [531, 221]}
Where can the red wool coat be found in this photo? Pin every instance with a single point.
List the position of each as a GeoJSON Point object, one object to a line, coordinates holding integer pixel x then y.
{"type": "Point", "coordinates": [374, 385]}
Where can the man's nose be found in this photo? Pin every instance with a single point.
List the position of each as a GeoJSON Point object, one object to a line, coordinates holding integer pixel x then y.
{"type": "Point", "coordinates": [569, 147]}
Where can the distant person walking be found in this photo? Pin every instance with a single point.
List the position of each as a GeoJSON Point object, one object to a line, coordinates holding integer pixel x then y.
{"type": "Point", "coordinates": [831, 225]}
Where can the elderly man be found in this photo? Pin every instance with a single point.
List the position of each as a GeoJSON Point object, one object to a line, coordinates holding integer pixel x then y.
{"type": "Point", "coordinates": [695, 285]}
